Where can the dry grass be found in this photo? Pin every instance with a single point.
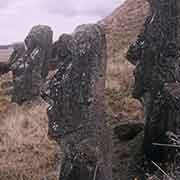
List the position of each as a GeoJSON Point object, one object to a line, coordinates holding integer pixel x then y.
{"type": "Point", "coordinates": [119, 73]}
{"type": "Point", "coordinates": [122, 28]}
{"type": "Point", "coordinates": [26, 153]}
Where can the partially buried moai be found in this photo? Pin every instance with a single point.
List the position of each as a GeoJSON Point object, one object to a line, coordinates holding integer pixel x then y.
{"type": "Point", "coordinates": [30, 67]}
{"type": "Point", "coordinates": [157, 79]}
{"type": "Point", "coordinates": [76, 112]}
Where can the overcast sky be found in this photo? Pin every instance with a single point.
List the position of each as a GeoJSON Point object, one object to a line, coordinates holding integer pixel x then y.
{"type": "Point", "coordinates": [18, 16]}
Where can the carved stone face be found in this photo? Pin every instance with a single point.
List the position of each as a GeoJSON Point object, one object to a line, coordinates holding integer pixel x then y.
{"type": "Point", "coordinates": [39, 36]}
{"type": "Point", "coordinates": [30, 67]}
{"type": "Point", "coordinates": [86, 41]}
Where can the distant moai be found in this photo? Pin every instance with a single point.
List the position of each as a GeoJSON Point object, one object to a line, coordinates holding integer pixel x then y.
{"type": "Point", "coordinates": [29, 63]}
{"type": "Point", "coordinates": [157, 80]}
{"type": "Point", "coordinates": [76, 112]}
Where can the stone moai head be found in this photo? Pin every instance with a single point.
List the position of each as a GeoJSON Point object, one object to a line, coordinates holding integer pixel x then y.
{"type": "Point", "coordinates": [39, 36]}
{"type": "Point", "coordinates": [31, 68]}
{"type": "Point", "coordinates": [86, 36]}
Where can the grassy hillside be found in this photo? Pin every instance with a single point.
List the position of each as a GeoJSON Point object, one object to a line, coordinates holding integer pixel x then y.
{"type": "Point", "coordinates": [122, 28]}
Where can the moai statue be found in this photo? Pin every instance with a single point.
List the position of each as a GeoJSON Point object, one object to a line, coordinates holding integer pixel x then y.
{"type": "Point", "coordinates": [30, 68]}
{"type": "Point", "coordinates": [157, 78]}
{"type": "Point", "coordinates": [76, 112]}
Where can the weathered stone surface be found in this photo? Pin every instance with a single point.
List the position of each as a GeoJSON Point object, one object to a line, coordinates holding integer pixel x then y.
{"type": "Point", "coordinates": [31, 67]}
{"type": "Point", "coordinates": [156, 56]}
{"type": "Point", "coordinates": [76, 111]}
{"type": "Point", "coordinates": [157, 63]}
